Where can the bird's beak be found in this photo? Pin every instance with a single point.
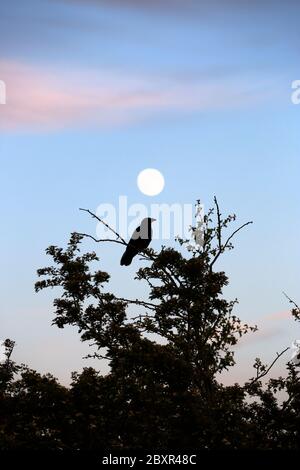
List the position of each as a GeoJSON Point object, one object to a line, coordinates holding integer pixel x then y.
{"type": "Point", "coordinates": [153, 220]}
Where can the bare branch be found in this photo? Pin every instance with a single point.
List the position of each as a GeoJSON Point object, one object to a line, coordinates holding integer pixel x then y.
{"type": "Point", "coordinates": [291, 301]}
{"type": "Point", "coordinates": [96, 356]}
{"type": "Point", "coordinates": [105, 224]}
{"type": "Point", "coordinates": [140, 317]}
{"type": "Point", "coordinates": [259, 376]}
{"type": "Point", "coordinates": [236, 231]}
{"type": "Point", "coordinates": [219, 228]}
{"type": "Point", "coordinates": [137, 302]}
{"type": "Point", "coordinates": [223, 248]}
{"type": "Point", "coordinates": [100, 240]}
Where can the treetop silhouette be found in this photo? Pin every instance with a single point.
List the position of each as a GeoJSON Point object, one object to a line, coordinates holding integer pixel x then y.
{"type": "Point", "coordinates": [165, 353]}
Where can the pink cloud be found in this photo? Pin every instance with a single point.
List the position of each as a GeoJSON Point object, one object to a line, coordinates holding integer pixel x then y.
{"type": "Point", "coordinates": [286, 314]}
{"type": "Point", "coordinates": [176, 6]}
{"type": "Point", "coordinates": [265, 331]}
{"type": "Point", "coordinates": [44, 98]}
{"type": "Point", "coordinates": [262, 334]}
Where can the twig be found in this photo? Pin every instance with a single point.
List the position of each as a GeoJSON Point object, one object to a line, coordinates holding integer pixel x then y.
{"type": "Point", "coordinates": [96, 356]}
{"type": "Point", "coordinates": [223, 248]}
{"type": "Point", "coordinates": [259, 376]}
{"type": "Point", "coordinates": [291, 301]}
{"type": "Point", "coordinates": [100, 240]}
{"type": "Point", "coordinates": [219, 229]}
{"type": "Point", "coordinates": [137, 302]}
{"type": "Point", "coordinates": [105, 224]}
{"type": "Point", "coordinates": [140, 317]}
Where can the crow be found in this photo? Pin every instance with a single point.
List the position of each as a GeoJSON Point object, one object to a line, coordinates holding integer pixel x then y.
{"type": "Point", "coordinates": [139, 241]}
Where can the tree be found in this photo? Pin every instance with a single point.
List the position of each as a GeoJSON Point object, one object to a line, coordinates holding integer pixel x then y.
{"type": "Point", "coordinates": [164, 355]}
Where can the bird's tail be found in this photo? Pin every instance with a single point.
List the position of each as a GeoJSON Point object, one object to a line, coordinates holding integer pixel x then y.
{"type": "Point", "coordinates": [128, 256]}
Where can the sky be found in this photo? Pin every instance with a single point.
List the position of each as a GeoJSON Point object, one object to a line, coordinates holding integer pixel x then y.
{"type": "Point", "coordinates": [97, 91]}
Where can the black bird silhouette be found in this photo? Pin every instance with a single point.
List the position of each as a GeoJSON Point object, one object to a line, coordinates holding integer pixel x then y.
{"type": "Point", "coordinates": [139, 241]}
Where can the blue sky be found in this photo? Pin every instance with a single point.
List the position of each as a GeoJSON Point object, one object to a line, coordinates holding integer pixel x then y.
{"type": "Point", "coordinates": [99, 90]}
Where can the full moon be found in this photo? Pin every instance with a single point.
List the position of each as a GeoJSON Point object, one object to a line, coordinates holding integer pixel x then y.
{"type": "Point", "coordinates": [150, 182]}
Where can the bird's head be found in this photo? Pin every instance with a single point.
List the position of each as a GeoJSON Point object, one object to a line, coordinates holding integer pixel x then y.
{"type": "Point", "coordinates": [145, 228]}
{"type": "Point", "coordinates": [148, 220]}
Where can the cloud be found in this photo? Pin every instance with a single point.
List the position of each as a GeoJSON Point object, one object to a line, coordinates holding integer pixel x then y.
{"type": "Point", "coordinates": [152, 5]}
{"type": "Point", "coordinates": [263, 334]}
{"type": "Point", "coordinates": [284, 315]}
{"type": "Point", "coordinates": [44, 98]}
{"type": "Point", "coordinates": [191, 6]}
{"type": "Point", "coordinates": [265, 331]}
